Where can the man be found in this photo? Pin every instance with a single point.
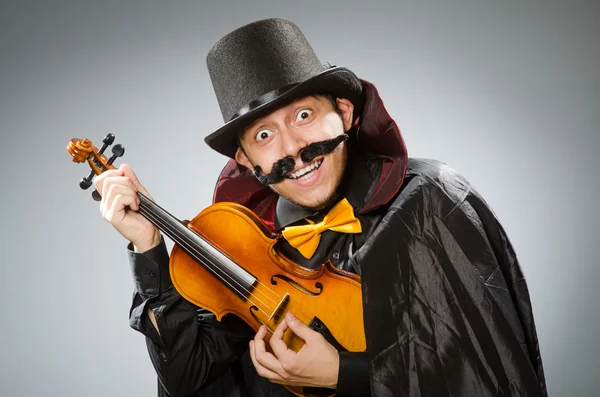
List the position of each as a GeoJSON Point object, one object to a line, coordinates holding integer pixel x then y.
{"type": "Point", "coordinates": [446, 307]}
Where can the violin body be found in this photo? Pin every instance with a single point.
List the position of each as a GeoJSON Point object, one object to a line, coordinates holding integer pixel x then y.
{"type": "Point", "coordinates": [331, 295]}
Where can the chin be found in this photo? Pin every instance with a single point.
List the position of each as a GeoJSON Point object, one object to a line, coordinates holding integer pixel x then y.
{"type": "Point", "coordinates": [314, 202]}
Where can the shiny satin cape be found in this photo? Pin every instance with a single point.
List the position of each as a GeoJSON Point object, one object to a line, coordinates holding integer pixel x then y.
{"type": "Point", "coordinates": [446, 306]}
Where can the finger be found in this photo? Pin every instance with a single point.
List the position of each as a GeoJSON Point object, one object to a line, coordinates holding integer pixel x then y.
{"type": "Point", "coordinates": [280, 330]}
{"type": "Point", "coordinates": [278, 345]}
{"type": "Point", "coordinates": [116, 212]}
{"type": "Point", "coordinates": [113, 186]}
{"type": "Point", "coordinates": [300, 329]}
{"type": "Point", "coordinates": [125, 190]}
{"type": "Point", "coordinates": [263, 357]}
{"type": "Point", "coordinates": [262, 371]}
{"type": "Point", "coordinates": [99, 180]}
{"type": "Point", "coordinates": [128, 172]}
{"type": "Point", "coordinates": [115, 180]}
{"type": "Point", "coordinates": [259, 341]}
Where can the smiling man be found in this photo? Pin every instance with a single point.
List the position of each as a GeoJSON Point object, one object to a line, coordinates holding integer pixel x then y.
{"type": "Point", "coordinates": [280, 137]}
{"type": "Point", "coordinates": [446, 309]}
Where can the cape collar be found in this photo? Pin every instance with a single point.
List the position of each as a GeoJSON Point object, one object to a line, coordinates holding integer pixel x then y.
{"type": "Point", "coordinates": [377, 138]}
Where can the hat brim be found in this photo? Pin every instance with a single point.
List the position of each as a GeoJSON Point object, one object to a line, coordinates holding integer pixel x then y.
{"type": "Point", "coordinates": [338, 81]}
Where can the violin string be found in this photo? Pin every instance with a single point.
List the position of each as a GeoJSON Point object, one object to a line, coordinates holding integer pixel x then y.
{"type": "Point", "coordinates": [216, 271]}
{"type": "Point", "coordinates": [277, 296]}
{"type": "Point", "coordinates": [213, 267]}
{"type": "Point", "coordinates": [275, 301]}
{"type": "Point", "coordinates": [299, 312]}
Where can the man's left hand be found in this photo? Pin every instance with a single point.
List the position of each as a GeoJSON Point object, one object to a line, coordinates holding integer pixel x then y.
{"type": "Point", "coordinates": [315, 364]}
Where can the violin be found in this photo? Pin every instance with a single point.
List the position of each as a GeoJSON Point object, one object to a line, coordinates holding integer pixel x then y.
{"type": "Point", "coordinates": [224, 261]}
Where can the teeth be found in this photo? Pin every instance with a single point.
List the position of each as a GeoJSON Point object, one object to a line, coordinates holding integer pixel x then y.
{"type": "Point", "coordinates": [304, 171]}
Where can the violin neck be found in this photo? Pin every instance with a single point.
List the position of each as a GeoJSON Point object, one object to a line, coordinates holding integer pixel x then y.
{"type": "Point", "coordinates": [230, 273]}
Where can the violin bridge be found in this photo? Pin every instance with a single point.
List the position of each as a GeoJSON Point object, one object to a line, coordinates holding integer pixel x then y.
{"type": "Point", "coordinates": [282, 304]}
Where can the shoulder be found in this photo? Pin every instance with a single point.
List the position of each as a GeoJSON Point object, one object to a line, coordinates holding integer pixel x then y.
{"type": "Point", "coordinates": [434, 173]}
{"type": "Point", "coordinates": [429, 176]}
{"type": "Point", "coordinates": [434, 188]}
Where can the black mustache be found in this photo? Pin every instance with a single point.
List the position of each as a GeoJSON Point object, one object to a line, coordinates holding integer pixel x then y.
{"type": "Point", "coordinates": [286, 164]}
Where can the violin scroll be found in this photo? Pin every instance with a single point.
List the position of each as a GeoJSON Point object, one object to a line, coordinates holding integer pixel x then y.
{"type": "Point", "coordinates": [83, 150]}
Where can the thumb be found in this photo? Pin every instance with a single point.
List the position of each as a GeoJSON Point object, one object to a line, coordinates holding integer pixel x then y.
{"type": "Point", "coordinates": [128, 172]}
{"type": "Point", "coordinates": [299, 328]}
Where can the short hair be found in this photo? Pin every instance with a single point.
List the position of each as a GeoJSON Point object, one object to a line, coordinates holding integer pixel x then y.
{"type": "Point", "coordinates": [331, 98]}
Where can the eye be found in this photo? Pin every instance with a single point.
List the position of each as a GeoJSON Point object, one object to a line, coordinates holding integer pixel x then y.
{"type": "Point", "coordinates": [262, 135]}
{"type": "Point", "coordinates": [303, 114]}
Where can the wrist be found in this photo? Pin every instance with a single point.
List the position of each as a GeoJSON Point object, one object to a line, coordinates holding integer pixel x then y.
{"type": "Point", "coordinates": [143, 246]}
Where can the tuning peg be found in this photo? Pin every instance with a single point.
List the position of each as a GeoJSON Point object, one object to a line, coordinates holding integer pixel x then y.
{"type": "Point", "coordinates": [107, 141]}
{"type": "Point", "coordinates": [96, 196]}
{"type": "Point", "coordinates": [86, 182]}
{"type": "Point", "coordinates": [118, 151]}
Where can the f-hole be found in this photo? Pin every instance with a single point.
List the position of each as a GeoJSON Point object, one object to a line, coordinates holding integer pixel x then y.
{"type": "Point", "coordinates": [299, 287]}
{"type": "Point", "coordinates": [258, 320]}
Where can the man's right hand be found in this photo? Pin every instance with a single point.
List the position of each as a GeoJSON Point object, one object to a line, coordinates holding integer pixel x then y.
{"type": "Point", "coordinates": [119, 206]}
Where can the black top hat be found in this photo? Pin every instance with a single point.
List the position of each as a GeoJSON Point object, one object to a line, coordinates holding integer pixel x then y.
{"type": "Point", "coordinates": [265, 65]}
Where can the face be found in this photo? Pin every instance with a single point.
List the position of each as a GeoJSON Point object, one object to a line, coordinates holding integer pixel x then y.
{"type": "Point", "coordinates": [288, 130]}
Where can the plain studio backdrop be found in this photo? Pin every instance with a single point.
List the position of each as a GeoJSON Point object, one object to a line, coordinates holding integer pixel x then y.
{"type": "Point", "coordinates": [508, 93]}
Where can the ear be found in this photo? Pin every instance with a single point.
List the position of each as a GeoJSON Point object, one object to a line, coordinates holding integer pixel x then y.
{"type": "Point", "coordinates": [242, 159]}
{"type": "Point", "coordinates": [346, 111]}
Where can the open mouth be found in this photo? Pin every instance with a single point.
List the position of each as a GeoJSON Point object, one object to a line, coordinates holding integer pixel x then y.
{"type": "Point", "coordinates": [305, 172]}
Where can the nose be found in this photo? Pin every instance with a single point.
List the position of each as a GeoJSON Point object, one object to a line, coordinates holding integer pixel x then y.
{"type": "Point", "coordinates": [292, 142]}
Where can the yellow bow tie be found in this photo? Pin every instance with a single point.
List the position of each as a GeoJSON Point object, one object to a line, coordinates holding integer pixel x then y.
{"type": "Point", "coordinates": [305, 238]}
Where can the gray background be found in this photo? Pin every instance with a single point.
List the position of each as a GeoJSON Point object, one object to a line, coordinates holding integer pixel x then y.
{"type": "Point", "coordinates": [508, 93]}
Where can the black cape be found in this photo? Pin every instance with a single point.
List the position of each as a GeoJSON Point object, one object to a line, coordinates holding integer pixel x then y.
{"type": "Point", "coordinates": [446, 307]}
{"type": "Point", "coordinates": [447, 310]}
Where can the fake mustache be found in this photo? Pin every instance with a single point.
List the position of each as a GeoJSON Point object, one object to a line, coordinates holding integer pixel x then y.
{"type": "Point", "coordinates": [286, 164]}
